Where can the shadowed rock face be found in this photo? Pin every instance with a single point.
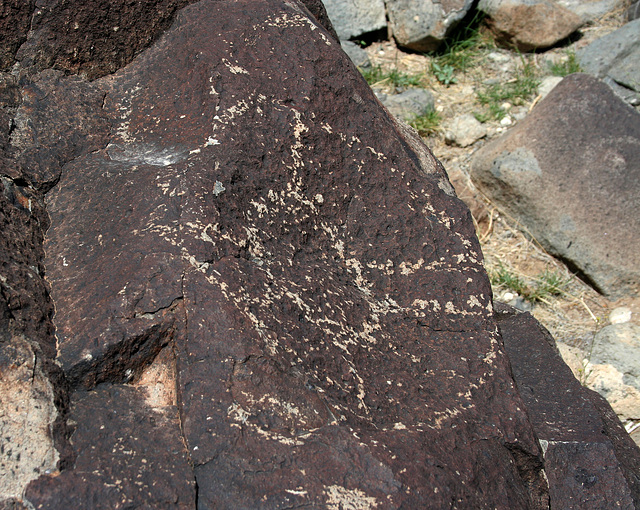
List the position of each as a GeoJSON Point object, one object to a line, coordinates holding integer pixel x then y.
{"type": "Point", "coordinates": [266, 293]}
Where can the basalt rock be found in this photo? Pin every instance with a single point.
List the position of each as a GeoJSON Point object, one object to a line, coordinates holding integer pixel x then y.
{"type": "Point", "coordinates": [590, 461]}
{"type": "Point", "coordinates": [578, 147]}
{"type": "Point", "coordinates": [266, 292]}
{"type": "Point", "coordinates": [423, 25]}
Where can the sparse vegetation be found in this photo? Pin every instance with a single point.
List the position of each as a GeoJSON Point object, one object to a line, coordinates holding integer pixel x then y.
{"type": "Point", "coordinates": [465, 46]}
{"type": "Point", "coordinates": [515, 92]}
{"type": "Point", "coordinates": [460, 52]}
{"type": "Point", "coordinates": [427, 124]}
{"type": "Point", "coordinates": [548, 284]}
{"type": "Point", "coordinates": [568, 65]}
{"type": "Point", "coordinates": [444, 73]}
{"type": "Point", "coordinates": [377, 76]}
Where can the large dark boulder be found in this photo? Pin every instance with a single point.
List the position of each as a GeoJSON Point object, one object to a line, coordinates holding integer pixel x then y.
{"type": "Point", "coordinates": [266, 293]}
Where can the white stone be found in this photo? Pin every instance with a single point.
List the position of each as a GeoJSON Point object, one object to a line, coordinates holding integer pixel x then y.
{"type": "Point", "coordinates": [464, 130]}
{"type": "Point", "coordinates": [620, 315]}
{"type": "Point", "coordinates": [548, 84]}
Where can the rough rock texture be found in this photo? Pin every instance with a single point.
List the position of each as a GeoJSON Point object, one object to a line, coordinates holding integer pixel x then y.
{"type": "Point", "coordinates": [408, 104]}
{"type": "Point", "coordinates": [613, 368]}
{"type": "Point", "coordinates": [126, 454]}
{"type": "Point", "coordinates": [529, 24]}
{"type": "Point", "coordinates": [353, 18]}
{"type": "Point", "coordinates": [580, 435]}
{"type": "Point", "coordinates": [463, 130]}
{"type": "Point", "coordinates": [15, 18]}
{"type": "Point", "coordinates": [283, 261]}
{"type": "Point", "coordinates": [422, 25]}
{"type": "Point", "coordinates": [616, 59]}
{"type": "Point", "coordinates": [27, 410]}
{"type": "Point", "coordinates": [633, 12]}
{"type": "Point", "coordinates": [266, 293]}
{"type": "Point", "coordinates": [590, 10]}
{"type": "Point", "coordinates": [619, 344]}
{"type": "Point", "coordinates": [543, 174]}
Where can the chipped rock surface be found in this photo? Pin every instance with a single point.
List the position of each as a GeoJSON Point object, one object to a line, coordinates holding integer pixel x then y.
{"type": "Point", "coordinates": [252, 287]}
{"type": "Point", "coordinates": [27, 411]}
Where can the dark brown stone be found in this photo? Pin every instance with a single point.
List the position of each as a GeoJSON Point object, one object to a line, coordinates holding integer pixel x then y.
{"type": "Point", "coordinates": [317, 9]}
{"type": "Point", "coordinates": [127, 454]}
{"type": "Point", "coordinates": [234, 211]}
{"type": "Point", "coordinates": [15, 20]}
{"type": "Point", "coordinates": [589, 461]}
{"type": "Point", "coordinates": [58, 119]}
{"type": "Point", "coordinates": [322, 286]}
{"type": "Point", "coordinates": [95, 37]}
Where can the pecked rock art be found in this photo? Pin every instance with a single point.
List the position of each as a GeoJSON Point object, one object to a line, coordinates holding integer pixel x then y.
{"type": "Point", "coordinates": [266, 293]}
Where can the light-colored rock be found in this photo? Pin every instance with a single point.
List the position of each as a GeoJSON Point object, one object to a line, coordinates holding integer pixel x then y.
{"type": "Point", "coordinates": [614, 368]}
{"type": "Point", "coordinates": [352, 18]}
{"type": "Point", "coordinates": [464, 130]}
{"type": "Point", "coordinates": [570, 173]}
{"type": "Point", "coordinates": [616, 58]}
{"type": "Point", "coordinates": [27, 412]}
{"type": "Point", "coordinates": [620, 315]}
{"type": "Point", "coordinates": [619, 346]}
{"type": "Point", "coordinates": [547, 84]}
{"type": "Point", "coordinates": [408, 104]}
{"type": "Point", "coordinates": [605, 379]}
{"type": "Point", "coordinates": [529, 24]}
{"type": "Point", "coordinates": [357, 55]}
{"type": "Point", "coordinates": [590, 10]}
{"type": "Point", "coordinates": [609, 382]}
{"type": "Point", "coordinates": [422, 25]}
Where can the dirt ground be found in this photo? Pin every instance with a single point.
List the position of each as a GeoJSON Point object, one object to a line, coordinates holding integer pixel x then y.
{"type": "Point", "coordinates": [575, 315]}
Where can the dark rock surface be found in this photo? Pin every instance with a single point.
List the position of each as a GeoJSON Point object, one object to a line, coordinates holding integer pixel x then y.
{"type": "Point", "coordinates": [15, 20]}
{"type": "Point", "coordinates": [119, 30]}
{"type": "Point", "coordinates": [127, 455]}
{"type": "Point", "coordinates": [579, 433]}
{"type": "Point", "coordinates": [266, 293]}
{"type": "Point", "coordinates": [580, 205]}
{"type": "Point", "coordinates": [289, 250]}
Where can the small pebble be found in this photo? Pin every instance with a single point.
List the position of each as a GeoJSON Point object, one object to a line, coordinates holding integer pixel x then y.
{"type": "Point", "coordinates": [620, 315]}
{"type": "Point", "coordinates": [506, 121]}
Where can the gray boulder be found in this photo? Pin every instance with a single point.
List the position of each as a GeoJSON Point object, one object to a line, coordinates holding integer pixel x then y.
{"type": "Point", "coordinates": [422, 25]}
{"type": "Point", "coordinates": [529, 24]}
{"type": "Point", "coordinates": [357, 55]}
{"type": "Point", "coordinates": [408, 104]}
{"type": "Point", "coordinates": [570, 174]}
{"type": "Point", "coordinates": [633, 12]}
{"type": "Point", "coordinates": [619, 345]}
{"type": "Point", "coordinates": [353, 18]}
{"type": "Point", "coordinates": [616, 59]}
{"type": "Point", "coordinates": [590, 10]}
